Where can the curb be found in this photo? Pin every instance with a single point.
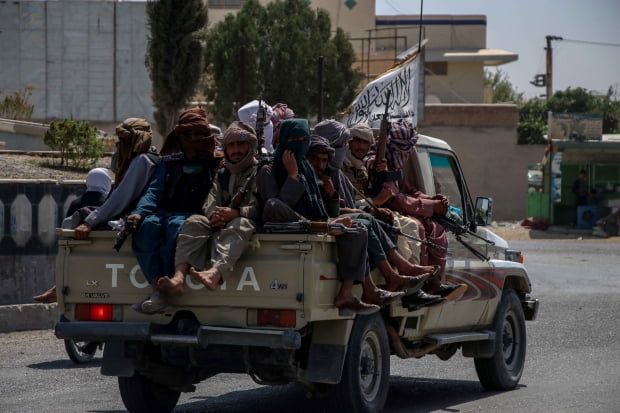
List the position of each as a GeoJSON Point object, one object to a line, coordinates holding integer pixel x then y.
{"type": "Point", "coordinates": [21, 317]}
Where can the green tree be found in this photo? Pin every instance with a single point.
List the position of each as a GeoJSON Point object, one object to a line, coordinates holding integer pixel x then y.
{"type": "Point", "coordinates": [175, 56]}
{"type": "Point", "coordinates": [278, 58]}
{"type": "Point", "coordinates": [533, 116]}
{"type": "Point", "coordinates": [503, 91]}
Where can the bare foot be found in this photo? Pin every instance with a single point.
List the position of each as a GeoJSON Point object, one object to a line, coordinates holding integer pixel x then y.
{"type": "Point", "coordinates": [211, 278]}
{"type": "Point", "coordinates": [413, 270]}
{"type": "Point", "coordinates": [174, 285]}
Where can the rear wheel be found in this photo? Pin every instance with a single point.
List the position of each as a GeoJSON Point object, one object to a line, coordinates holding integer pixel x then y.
{"type": "Point", "coordinates": [142, 395]}
{"type": "Point", "coordinates": [365, 377]}
{"type": "Point", "coordinates": [81, 351]}
{"type": "Point", "coordinates": [503, 370]}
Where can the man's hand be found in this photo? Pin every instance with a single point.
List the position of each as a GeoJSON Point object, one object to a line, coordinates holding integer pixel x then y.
{"type": "Point", "coordinates": [347, 222]}
{"type": "Point", "coordinates": [382, 165]}
{"type": "Point", "coordinates": [290, 164]}
{"type": "Point", "coordinates": [222, 216]}
{"type": "Point", "coordinates": [82, 231]}
{"type": "Point", "coordinates": [328, 185]}
{"type": "Point", "coordinates": [136, 219]}
{"type": "Point", "coordinates": [440, 207]}
{"type": "Point", "coordinates": [384, 195]}
{"type": "Point", "coordinates": [384, 214]}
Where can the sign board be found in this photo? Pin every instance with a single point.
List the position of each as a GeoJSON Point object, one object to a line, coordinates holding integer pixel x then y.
{"type": "Point", "coordinates": [575, 126]}
{"type": "Point", "coordinates": [369, 105]}
{"type": "Point", "coordinates": [556, 177]}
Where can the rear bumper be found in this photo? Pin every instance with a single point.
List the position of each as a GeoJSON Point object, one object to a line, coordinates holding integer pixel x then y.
{"type": "Point", "coordinates": [206, 335]}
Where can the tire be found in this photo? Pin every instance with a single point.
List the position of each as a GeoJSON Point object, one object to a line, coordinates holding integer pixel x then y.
{"type": "Point", "coordinates": [364, 385]}
{"type": "Point", "coordinates": [503, 370]}
{"type": "Point", "coordinates": [141, 395]}
{"type": "Point", "coordinates": [81, 351]}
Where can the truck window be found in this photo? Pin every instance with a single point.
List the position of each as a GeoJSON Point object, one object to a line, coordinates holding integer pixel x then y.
{"type": "Point", "coordinates": [445, 176]}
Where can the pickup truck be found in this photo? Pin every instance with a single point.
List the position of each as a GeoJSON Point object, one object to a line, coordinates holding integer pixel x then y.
{"type": "Point", "coordinates": [274, 318]}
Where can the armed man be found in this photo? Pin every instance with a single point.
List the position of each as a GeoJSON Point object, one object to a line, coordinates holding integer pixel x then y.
{"type": "Point", "coordinates": [407, 203]}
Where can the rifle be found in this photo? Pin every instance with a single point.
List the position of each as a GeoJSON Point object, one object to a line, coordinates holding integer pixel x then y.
{"type": "Point", "coordinates": [389, 227]}
{"type": "Point", "coordinates": [376, 178]}
{"type": "Point", "coordinates": [398, 231]}
{"type": "Point", "coordinates": [129, 227]}
{"type": "Point", "coordinates": [308, 227]}
{"type": "Point", "coordinates": [458, 231]}
{"type": "Point", "coordinates": [261, 117]}
{"type": "Point", "coordinates": [239, 196]}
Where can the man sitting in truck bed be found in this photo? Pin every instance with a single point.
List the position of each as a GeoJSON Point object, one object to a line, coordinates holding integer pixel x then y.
{"type": "Point", "coordinates": [177, 190]}
{"type": "Point", "coordinates": [382, 252]}
{"type": "Point", "coordinates": [290, 193]}
{"type": "Point", "coordinates": [230, 213]}
{"type": "Point", "coordinates": [416, 206]}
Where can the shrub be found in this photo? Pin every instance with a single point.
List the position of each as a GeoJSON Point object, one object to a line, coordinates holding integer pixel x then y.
{"type": "Point", "coordinates": [16, 106]}
{"type": "Point", "coordinates": [77, 143]}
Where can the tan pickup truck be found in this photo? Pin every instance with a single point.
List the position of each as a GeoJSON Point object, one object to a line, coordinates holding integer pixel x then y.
{"type": "Point", "coordinates": [274, 319]}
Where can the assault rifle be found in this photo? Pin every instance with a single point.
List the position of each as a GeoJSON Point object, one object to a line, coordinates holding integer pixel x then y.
{"type": "Point", "coordinates": [458, 230]}
{"type": "Point", "coordinates": [308, 227]}
{"type": "Point", "coordinates": [264, 158]}
{"type": "Point", "coordinates": [261, 117]}
{"type": "Point", "coordinates": [129, 227]}
{"type": "Point", "coordinates": [376, 178]}
{"type": "Point", "coordinates": [398, 231]}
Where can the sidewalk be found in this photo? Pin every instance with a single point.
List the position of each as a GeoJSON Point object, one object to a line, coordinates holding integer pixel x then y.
{"type": "Point", "coordinates": [20, 317]}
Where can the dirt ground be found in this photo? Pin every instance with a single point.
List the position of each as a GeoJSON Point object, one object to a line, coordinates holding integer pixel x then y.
{"type": "Point", "coordinates": [515, 232]}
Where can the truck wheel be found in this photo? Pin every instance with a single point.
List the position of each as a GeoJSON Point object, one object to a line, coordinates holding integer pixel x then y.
{"type": "Point", "coordinates": [141, 395]}
{"type": "Point", "coordinates": [80, 351]}
{"type": "Point", "coordinates": [364, 384]}
{"type": "Point", "coordinates": [503, 370]}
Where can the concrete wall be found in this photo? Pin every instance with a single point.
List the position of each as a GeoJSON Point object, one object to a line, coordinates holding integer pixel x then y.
{"type": "Point", "coordinates": [30, 212]}
{"type": "Point", "coordinates": [485, 139]}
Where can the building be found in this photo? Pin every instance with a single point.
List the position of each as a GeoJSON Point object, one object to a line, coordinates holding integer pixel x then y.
{"type": "Point", "coordinates": [85, 59]}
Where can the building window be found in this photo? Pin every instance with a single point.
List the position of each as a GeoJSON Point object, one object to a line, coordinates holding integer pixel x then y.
{"type": "Point", "coordinates": [225, 4]}
{"type": "Point", "coordinates": [436, 68]}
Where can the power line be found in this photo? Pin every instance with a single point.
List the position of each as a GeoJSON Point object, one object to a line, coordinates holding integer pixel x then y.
{"type": "Point", "coordinates": [590, 42]}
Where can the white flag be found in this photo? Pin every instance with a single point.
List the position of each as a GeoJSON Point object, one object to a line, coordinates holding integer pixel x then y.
{"type": "Point", "coordinates": [369, 105]}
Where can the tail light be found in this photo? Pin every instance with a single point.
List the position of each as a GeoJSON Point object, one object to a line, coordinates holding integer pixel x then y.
{"type": "Point", "coordinates": [276, 318]}
{"type": "Point", "coordinates": [94, 312]}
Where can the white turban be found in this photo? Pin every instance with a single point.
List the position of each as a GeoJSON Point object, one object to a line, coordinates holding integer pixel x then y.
{"type": "Point", "coordinates": [247, 114]}
{"type": "Point", "coordinates": [99, 180]}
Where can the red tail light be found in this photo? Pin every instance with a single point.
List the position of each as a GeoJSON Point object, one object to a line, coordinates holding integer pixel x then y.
{"type": "Point", "coordinates": [278, 318]}
{"type": "Point", "coordinates": [93, 312]}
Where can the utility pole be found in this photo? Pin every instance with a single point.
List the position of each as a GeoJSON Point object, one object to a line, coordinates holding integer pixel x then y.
{"type": "Point", "coordinates": [549, 74]}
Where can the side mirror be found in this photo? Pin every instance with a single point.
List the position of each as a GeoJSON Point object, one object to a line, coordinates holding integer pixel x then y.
{"type": "Point", "coordinates": [484, 210]}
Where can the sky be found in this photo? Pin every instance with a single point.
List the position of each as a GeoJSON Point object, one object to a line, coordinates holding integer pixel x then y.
{"type": "Point", "coordinates": [521, 26]}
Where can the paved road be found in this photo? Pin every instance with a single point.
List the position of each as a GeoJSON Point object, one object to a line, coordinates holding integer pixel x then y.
{"type": "Point", "coordinates": [573, 360]}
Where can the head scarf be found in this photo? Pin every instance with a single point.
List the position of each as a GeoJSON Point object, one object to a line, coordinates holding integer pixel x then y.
{"type": "Point", "coordinates": [319, 144]}
{"type": "Point", "coordinates": [362, 131]}
{"type": "Point", "coordinates": [295, 136]}
{"type": "Point", "coordinates": [247, 114]}
{"type": "Point", "coordinates": [240, 132]}
{"type": "Point", "coordinates": [134, 137]}
{"type": "Point", "coordinates": [99, 180]}
{"type": "Point", "coordinates": [402, 136]}
{"type": "Point", "coordinates": [279, 113]}
{"type": "Point", "coordinates": [338, 136]}
{"type": "Point", "coordinates": [199, 145]}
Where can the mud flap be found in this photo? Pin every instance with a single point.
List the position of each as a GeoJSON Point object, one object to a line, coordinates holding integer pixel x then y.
{"type": "Point", "coordinates": [325, 363]}
{"type": "Point", "coordinates": [114, 362]}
